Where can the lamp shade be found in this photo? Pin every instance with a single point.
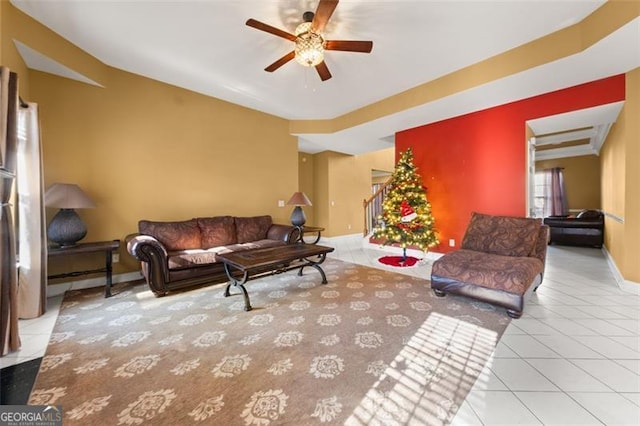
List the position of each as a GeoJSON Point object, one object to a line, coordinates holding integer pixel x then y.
{"type": "Point", "coordinates": [299, 199]}
{"type": "Point", "coordinates": [67, 196]}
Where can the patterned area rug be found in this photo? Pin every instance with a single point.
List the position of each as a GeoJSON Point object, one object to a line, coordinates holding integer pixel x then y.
{"type": "Point", "coordinates": [370, 347]}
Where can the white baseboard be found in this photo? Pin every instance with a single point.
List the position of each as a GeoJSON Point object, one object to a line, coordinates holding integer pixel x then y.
{"type": "Point", "coordinates": [625, 285]}
{"type": "Point", "coordinates": [340, 238]}
{"type": "Point", "coordinates": [61, 288]}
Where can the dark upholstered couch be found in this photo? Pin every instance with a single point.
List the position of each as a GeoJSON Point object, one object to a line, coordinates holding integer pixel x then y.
{"type": "Point", "coordinates": [586, 229]}
{"type": "Point", "coordinates": [500, 259]}
{"type": "Point", "coordinates": [175, 255]}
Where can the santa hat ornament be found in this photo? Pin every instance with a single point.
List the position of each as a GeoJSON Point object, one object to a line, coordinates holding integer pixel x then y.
{"type": "Point", "coordinates": [407, 214]}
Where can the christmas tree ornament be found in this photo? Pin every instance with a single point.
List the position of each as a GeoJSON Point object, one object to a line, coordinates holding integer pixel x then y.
{"type": "Point", "coordinates": [407, 214]}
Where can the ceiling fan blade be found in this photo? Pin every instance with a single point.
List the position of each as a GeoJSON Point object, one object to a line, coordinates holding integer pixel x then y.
{"type": "Point", "coordinates": [323, 71]}
{"type": "Point", "coordinates": [349, 45]}
{"type": "Point", "coordinates": [271, 30]}
{"type": "Point", "coordinates": [280, 62]}
{"type": "Point", "coordinates": [323, 13]}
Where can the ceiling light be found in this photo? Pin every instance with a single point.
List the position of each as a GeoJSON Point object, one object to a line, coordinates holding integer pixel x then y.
{"type": "Point", "coordinates": [309, 46]}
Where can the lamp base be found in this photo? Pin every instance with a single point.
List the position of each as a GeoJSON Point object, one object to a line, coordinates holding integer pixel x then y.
{"type": "Point", "coordinates": [66, 228]}
{"type": "Point", "coordinates": [297, 217]}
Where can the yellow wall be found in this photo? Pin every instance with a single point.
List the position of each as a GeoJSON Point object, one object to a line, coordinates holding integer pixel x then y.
{"type": "Point", "coordinates": [620, 183]}
{"type": "Point", "coordinates": [305, 184]}
{"type": "Point", "coordinates": [581, 179]}
{"type": "Point", "coordinates": [339, 208]}
{"type": "Point", "coordinates": [142, 149]}
{"type": "Point", "coordinates": [9, 56]}
{"type": "Point", "coordinates": [146, 150]}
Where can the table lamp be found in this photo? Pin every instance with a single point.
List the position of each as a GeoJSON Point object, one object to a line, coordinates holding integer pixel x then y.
{"type": "Point", "coordinates": [66, 227]}
{"type": "Point", "coordinates": [298, 199]}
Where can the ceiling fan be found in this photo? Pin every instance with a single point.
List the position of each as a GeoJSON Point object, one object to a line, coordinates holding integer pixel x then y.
{"type": "Point", "coordinates": [309, 40]}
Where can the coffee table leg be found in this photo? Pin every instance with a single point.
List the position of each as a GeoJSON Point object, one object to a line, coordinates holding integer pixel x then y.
{"type": "Point", "coordinates": [316, 265]}
{"type": "Point", "coordinates": [240, 284]}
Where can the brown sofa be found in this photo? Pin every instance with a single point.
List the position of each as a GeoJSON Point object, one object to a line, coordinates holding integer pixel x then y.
{"type": "Point", "coordinates": [586, 229]}
{"type": "Point", "coordinates": [175, 255]}
{"type": "Point", "coordinates": [500, 259]}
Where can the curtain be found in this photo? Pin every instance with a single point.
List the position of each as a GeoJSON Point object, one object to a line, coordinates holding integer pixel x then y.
{"type": "Point", "coordinates": [32, 239]}
{"type": "Point", "coordinates": [9, 338]}
{"type": "Point", "coordinates": [555, 195]}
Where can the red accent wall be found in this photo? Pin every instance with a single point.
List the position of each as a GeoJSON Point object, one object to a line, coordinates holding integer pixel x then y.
{"type": "Point", "coordinates": [476, 162]}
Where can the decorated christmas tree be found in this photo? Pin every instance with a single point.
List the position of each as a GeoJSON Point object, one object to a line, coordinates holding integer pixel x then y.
{"type": "Point", "coordinates": [406, 217]}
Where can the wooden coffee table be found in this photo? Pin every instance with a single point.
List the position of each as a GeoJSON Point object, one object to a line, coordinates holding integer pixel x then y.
{"type": "Point", "coordinates": [247, 265]}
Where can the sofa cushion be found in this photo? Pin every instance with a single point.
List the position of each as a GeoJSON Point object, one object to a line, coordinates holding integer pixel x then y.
{"type": "Point", "coordinates": [506, 273]}
{"type": "Point", "coordinates": [182, 235]}
{"type": "Point", "coordinates": [252, 228]}
{"type": "Point", "coordinates": [503, 235]}
{"type": "Point", "coordinates": [197, 257]}
{"type": "Point", "coordinates": [217, 231]}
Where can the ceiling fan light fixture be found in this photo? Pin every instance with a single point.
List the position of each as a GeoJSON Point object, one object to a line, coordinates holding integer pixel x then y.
{"type": "Point", "coordinates": [309, 49]}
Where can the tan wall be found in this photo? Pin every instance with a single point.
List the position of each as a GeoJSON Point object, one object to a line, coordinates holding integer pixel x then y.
{"type": "Point", "coordinates": [348, 182]}
{"type": "Point", "coordinates": [305, 183]}
{"type": "Point", "coordinates": [146, 150]}
{"type": "Point", "coordinates": [620, 182]}
{"type": "Point", "coordinates": [9, 56]}
{"type": "Point", "coordinates": [581, 179]}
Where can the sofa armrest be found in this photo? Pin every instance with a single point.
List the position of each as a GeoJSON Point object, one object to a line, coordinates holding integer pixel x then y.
{"type": "Point", "coordinates": [142, 246]}
{"type": "Point", "coordinates": [540, 251]}
{"type": "Point", "coordinates": [286, 233]}
{"type": "Point", "coordinates": [154, 258]}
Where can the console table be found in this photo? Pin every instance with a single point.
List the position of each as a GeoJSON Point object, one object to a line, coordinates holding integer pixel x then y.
{"type": "Point", "coordinates": [107, 247]}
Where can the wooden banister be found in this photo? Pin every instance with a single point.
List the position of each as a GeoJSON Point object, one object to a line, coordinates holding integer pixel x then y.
{"type": "Point", "coordinates": [372, 206]}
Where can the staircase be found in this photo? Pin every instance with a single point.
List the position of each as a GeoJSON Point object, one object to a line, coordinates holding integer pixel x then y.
{"type": "Point", "coordinates": [373, 206]}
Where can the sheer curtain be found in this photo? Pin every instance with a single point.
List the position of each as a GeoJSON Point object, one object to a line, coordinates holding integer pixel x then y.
{"type": "Point", "coordinates": [32, 240]}
{"type": "Point", "coordinates": [555, 196]}
{"type": "Point", "coordinates": [9, 338]}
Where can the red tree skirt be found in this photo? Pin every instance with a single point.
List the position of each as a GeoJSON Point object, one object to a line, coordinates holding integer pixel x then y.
{"type": "Point", "coordinates": [397, 261]}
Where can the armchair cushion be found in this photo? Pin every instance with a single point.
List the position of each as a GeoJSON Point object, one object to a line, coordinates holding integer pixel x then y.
{"type": "Point", "coordinates": [506, 273]}
{"type": "Point", "coordinates": [501, 235]}
{"type": "Point", "coordinates": [182, 235]}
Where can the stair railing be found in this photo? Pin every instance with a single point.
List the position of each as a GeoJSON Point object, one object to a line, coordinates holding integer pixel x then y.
{"type": "Point", "coordinates": [373, 207]}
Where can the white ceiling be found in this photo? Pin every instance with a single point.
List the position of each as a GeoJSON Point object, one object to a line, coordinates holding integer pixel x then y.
{"type": "Point", "coordinates": [206, 47]}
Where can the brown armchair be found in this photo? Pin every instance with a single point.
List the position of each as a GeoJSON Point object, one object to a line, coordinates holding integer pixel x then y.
{"type": "Point", "coordinates": [586, 229]}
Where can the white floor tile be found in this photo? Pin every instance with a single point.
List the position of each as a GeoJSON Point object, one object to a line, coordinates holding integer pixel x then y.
{"type": "Point", "coordinates": [503, 351]}
{"type": "Point", "coordinates": [633, 397]}
{"type": "Point", "coordinates": [567, 376]}
{"type": "Point", "coordinates": [556, 408]}
{"type": "Point", "coordinates": [568, 347]}
{"type": "Point", "coordinates": [528, 347]}
{"type": "Point", "coordinates": [466, 417]}
{"type": "Point", "coordinates": [569, 327]}
{"type": "Point", "coordinates": [612, 374]}
{"type": "Point", "coordinates": [520, 376]}
{"type": "Point", "coordinates": [609, 348]}
{"type": "Point", "coordinates": [632, 365]}
{"type": "Point", "coordinates": [534, 326]}
{"type": "Point", "coordinates": [497, 408]}
{"type": "Point", "coordinates": [610, 408]}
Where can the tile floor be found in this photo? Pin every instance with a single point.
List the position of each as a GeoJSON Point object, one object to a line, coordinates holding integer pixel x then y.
{"type": "Point", "coordinates": [572, 358]}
